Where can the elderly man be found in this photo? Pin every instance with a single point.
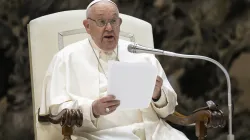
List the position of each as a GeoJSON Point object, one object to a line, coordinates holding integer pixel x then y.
{"type": "Point", "coordinates": [77, 78]}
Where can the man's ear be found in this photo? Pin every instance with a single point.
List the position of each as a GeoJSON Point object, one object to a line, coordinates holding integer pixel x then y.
{"type": "Point", "coordinates": [86, 25]}
{"type": "Point", "coordinates": [121, 21]}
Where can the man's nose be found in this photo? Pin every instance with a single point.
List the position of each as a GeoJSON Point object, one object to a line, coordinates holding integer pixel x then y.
{"type": "Point", "coordinates": [109, 27]}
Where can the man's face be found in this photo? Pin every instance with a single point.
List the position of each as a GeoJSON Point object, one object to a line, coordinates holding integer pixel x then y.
{"type": "Point", "coordinates": [105, 37]}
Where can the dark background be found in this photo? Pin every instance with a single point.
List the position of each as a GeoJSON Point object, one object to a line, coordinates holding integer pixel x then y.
{"type": "Point", "coordinates": [219, 29]}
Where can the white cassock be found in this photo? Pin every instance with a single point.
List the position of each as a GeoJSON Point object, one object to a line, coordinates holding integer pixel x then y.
{"type": "Point", "coordinates": [75, 79]}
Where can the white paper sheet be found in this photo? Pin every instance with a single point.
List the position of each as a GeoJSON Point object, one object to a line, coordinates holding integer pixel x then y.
{"type": "Point", "coordinates": [131, 83]}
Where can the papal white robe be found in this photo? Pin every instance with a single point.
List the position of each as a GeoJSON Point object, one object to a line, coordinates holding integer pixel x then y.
{"type": "Point", "coordinates": [75, 79]}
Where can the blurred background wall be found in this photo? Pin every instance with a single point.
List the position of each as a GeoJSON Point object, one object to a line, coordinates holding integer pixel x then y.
{"type": "Point", "coordinates": [219, 29]}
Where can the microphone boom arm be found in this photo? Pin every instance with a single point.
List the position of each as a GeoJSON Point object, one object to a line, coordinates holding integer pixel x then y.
{"type": "Point", "coordinates": [230, 135]}
{"type": "Point", "coordinates": [136, 48]}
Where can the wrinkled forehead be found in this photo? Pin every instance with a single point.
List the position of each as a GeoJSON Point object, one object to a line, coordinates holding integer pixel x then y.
{"type": "Point", "coordinates": [97, 1]}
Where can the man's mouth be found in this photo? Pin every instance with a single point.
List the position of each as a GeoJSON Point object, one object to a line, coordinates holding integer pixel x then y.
{"type": "Point", "coordinates": [109, 37]}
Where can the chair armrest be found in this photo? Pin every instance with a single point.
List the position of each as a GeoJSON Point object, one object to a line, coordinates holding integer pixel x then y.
{"type": "Point", "coordinates": [202, 118]}
{"type": "Point", "coordinates": [67, 118]}
{"type": "Point", "coordinates": [180, 119]}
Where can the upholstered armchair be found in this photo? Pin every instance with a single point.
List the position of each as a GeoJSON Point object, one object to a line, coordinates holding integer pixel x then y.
{"type": "Point", "coordinates": [50, 33]}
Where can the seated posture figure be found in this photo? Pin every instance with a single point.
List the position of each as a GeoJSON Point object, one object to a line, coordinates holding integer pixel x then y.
{"type": "Point", "coordinates": [77, 79]}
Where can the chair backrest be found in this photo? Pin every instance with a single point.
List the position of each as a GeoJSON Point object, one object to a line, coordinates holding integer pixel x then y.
{"type": "Point", "coordinates": [48, 34]}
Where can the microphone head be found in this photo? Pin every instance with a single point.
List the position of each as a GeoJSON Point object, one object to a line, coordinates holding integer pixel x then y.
{"type": "Point", "coordinates": [131, 48]}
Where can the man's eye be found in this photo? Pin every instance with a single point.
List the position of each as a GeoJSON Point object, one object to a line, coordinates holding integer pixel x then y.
{"type": "Point", "coordinates": [113, 21]}
{"type": "Point", "coordinates": [102, 22]}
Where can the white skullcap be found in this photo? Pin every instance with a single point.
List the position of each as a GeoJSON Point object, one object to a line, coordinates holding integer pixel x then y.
{"type": "Point", "coordinates": [96, 1]}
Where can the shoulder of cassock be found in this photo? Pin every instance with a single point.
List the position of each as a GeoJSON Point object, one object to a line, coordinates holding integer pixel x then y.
{"type": "Point", "coordinates": [83, 47]}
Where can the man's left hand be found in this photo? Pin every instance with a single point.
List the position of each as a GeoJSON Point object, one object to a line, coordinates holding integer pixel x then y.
{"type": "Point", "coordinates": [157, 90]}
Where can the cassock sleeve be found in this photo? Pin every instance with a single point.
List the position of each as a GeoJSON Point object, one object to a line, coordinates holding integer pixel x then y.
{"type": "Point", "coordinates": [168, 100]}
{"type": "Point", "coordinates": [56, 96]}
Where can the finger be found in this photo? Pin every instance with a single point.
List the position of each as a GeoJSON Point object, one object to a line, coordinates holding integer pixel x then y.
{"type": "Point", "coordinates": [159, 79]}
{"type": "Point", "coordinates": [112, 108]}
{"type": "Point", "coordinates": [107, 98]}
{"type": "Point", "coordinates": [111, 103]}
{"type": "Point", "coordinates": [157, 90]}
{"type": "Point", "coordinates": [158, 84]}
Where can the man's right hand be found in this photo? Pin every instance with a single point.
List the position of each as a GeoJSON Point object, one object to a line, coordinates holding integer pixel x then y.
{"type": "Point", "coordinates": [105, 105]}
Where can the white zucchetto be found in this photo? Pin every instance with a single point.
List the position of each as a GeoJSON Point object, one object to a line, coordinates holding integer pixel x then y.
{"type": "Point", "coordinates": [96, 1]}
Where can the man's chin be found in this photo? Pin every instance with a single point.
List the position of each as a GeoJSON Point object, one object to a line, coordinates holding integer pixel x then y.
{"type": "Point", "coordinates": [109, 49]}
{"type": "Point", "coordinates": [109, 46]}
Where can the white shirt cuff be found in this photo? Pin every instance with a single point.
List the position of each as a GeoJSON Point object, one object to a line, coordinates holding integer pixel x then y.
{"type": "Point", "coordinates": [162, 101]}
{"type": "Point", "coordinates": [93, 118]}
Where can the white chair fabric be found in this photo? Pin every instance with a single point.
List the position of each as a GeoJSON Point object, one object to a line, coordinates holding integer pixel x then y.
{"type": "Point", "coordinates": [48, 34]}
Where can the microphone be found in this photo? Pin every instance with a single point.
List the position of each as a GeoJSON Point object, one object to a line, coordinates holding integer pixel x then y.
{"type": "Point", "coordinates": [136, 48]}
